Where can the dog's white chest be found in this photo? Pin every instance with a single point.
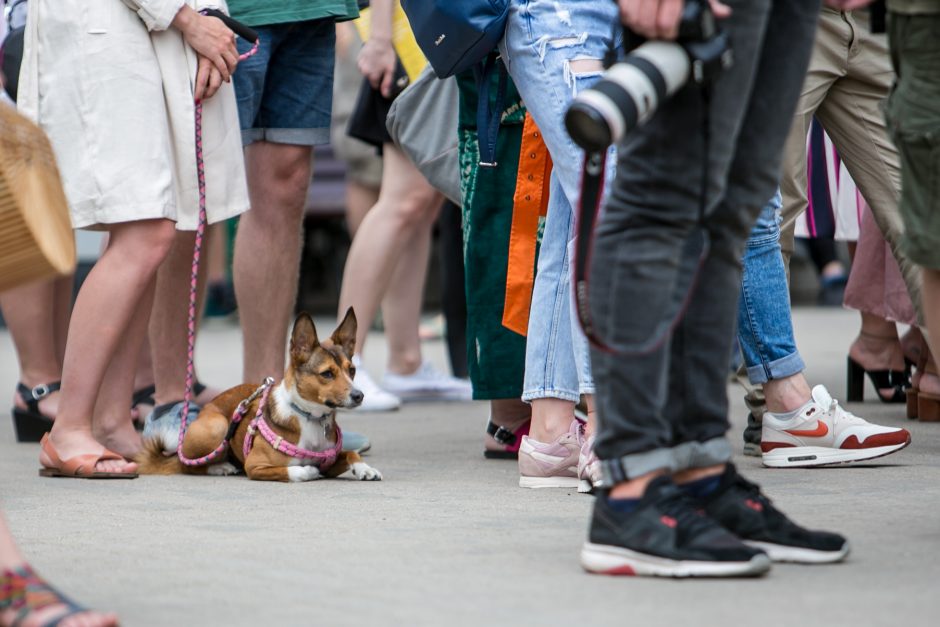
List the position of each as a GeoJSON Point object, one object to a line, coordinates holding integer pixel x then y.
{"type": "Point", "coordinates": [312, 438]}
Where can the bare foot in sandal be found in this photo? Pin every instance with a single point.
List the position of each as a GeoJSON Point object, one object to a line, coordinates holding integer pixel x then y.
{"type": "Point", "coordinates": [62, 447]}
{"type": "Point", "coordinates": [28, 601]}
{"type": "Point", "coordinates": [122, 438]}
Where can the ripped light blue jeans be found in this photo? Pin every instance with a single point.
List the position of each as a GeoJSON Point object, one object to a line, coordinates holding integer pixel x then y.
{"type": "Point", "coordinates": [543, 38]}
{"type": "Point", "coordinates": [765, 324]}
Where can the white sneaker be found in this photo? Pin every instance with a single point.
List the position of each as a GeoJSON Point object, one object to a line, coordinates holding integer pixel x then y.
{"type": "Point", "coordinates": [427, 384]}
{"type": "Point", "coordinates": [374, 398]}
{"type": "Point", "coordinates": [823, 433]}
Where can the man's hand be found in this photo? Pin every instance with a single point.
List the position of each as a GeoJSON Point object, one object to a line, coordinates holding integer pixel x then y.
{"type": "Point", "coordinates": [847, 5]}
{"type": "Point", "coordinates": [377, 62]}
{"type": "Point", "coordinates": [659, 19]}
{"type": "Point", "coordinates": [208, 79]}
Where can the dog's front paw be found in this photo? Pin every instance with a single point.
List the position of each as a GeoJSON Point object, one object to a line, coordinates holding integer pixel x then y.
{"type": "Point", "coordinates": [222, 470]}
{"type": "Point", "coordinates": [365, 472]}
{"type": "Point", "coordinates": [303, 473]}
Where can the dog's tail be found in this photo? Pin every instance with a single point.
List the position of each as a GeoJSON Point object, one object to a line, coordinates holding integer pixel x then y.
{"type": "Point", "coordinates": [152, 460]}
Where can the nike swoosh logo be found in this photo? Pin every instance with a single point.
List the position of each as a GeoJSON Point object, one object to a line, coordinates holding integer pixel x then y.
{"type": "Point", "coordinates": [820, 430]}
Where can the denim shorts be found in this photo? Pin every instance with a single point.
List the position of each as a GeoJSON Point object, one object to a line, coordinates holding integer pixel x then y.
{"type": "Point", "coordinates": [285, 91]}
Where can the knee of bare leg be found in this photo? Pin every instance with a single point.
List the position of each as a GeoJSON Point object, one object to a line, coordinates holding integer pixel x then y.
{"type": "Point", "coordinates": [418, 209]}
{"type": "Point", "coordinates": [159, 240]}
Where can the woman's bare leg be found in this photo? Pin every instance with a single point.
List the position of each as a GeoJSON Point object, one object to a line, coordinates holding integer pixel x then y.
{"type": "Point", "coordinates": [32, 317]}
{"type": "Point", "coordinates": [401, 307]}
{"type": "Point", "coordinates": [168, 331]}
{"type": "Point", "coordinates": [108, 299]}
{"type": "Point", "coordinates": [407, 204]}
{"type": "Point", "coordinates": [111, 425]}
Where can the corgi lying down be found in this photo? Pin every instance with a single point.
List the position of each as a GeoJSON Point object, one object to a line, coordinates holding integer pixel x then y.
{"type": "Point", "coordinates": [296, 437]}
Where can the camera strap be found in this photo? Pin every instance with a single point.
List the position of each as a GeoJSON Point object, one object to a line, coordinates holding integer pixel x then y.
{"type": "Point", "coordinates": [695, 250]}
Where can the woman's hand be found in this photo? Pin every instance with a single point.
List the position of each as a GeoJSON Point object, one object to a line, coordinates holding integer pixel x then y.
{"type": "Point", "coordinates": [659, 19]}
{"type": "Point", "coordinates": [208, 79]}
{"type": "Point", "coordinates": [377, 62]}
{"type": "Point", "coordinates": [210, 38]}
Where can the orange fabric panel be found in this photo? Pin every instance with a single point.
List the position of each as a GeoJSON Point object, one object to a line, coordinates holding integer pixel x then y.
{"type": "Point", "coordinates": [530, 202]}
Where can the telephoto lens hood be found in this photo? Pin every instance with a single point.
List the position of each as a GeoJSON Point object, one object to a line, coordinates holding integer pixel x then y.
{"type": "Point", "coordinates": [627, 95]}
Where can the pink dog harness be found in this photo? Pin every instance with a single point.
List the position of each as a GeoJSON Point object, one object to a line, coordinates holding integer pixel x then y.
{"type": "Point", "coordinates": [259, 425]}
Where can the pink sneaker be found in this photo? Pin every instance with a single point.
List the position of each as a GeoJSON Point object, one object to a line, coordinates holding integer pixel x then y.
{"type": "Point", "coordinates": [589, 467]}
{"type": "Point", "coordinates": [551, 465]}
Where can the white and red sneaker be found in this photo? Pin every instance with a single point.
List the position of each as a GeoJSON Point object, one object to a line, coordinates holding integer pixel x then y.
{"type": "Point", "coordinates": [823, 433]}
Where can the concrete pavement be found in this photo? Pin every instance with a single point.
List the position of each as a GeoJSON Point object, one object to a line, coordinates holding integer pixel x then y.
{"type": "Point", "coordinates": [448, 538]}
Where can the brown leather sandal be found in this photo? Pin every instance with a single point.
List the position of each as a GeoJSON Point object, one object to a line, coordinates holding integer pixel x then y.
{"type": "Point", "coordinates": [80, 466]}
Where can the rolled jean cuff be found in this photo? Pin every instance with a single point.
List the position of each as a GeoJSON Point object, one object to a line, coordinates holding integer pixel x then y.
{"type": "Point", "coordinates": [588, 388]}
{"type": "Point", "coordinates": [684, 456]}
{"type": "Point", "coordinates": [566, 395]}
{"type": "Point", "coordinates": [778, 369]}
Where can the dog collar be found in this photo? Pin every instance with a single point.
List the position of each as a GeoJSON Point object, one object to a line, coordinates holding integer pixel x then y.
{"type": "Point", "coordinates": [309, 415]}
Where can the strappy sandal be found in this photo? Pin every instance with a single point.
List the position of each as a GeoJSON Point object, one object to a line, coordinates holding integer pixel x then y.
{"type": "Point", "coordinates": [30, 423]}
{"type": "Point", "coordinates": [145, 396]}
{"type": "Point", "coordinates": [25, 592]}
{"type": "Point", "coordinates": [502, 442]}
{"type": "Point", "coordinates": [894, 382]}
{"type": "Point", "coordinates": [80, 466]}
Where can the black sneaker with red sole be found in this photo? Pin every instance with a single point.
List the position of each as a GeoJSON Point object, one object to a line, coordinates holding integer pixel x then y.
{"type": "Point", "coordinates": [665, 536]}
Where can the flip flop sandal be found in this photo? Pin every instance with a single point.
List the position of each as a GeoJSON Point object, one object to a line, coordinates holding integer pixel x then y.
{"type": "Point", "coordinates": [80, 466]}
{"type": "Point", "coordinates": [30, 423]}
{"type": "Point", "coordinates": [25, 592]}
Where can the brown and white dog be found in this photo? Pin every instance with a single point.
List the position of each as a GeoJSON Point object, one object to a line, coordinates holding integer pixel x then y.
{"type": "Point", "coordinates": [300, 409]}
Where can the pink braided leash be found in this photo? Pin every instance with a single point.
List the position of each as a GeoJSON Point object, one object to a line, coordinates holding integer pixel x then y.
{"type": "Point", "coordinates": [191, 322]}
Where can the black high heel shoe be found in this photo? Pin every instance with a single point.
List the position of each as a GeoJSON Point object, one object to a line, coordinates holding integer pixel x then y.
{"type": "Point", "coordinates": [898, 380]}
{"type": "Point", "coordinates": [30, 423]}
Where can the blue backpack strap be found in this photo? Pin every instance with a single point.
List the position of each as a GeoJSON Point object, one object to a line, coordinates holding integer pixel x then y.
{"type": "Point", "coordinates": [489, 112]}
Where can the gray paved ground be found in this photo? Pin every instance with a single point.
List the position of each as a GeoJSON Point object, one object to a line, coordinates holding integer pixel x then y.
{"type": "Point", "coordinates": [448, 538]}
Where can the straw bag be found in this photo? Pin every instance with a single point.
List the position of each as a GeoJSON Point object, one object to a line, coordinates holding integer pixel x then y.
{"type": "Point", "coordinates": [36, 237]}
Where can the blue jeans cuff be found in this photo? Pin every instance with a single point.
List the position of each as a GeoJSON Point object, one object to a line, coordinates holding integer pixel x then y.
{"type": "Point", "coordinates": [778, 369]}
{"type": "Point", "coordinates": [566, 395]}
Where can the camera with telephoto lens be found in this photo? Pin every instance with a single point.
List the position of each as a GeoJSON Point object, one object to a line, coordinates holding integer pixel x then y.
{"type": "Point", "coordinates": [631, 89]}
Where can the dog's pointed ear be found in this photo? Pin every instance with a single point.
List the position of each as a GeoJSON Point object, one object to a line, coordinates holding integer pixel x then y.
{"type": "Point", "coordinates": [303, 339]}
{"type": "Point", "coordinates": [345, 334]}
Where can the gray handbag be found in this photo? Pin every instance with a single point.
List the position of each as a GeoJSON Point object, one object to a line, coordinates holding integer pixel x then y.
{"type": "Point", "coordinates": [423, 123]}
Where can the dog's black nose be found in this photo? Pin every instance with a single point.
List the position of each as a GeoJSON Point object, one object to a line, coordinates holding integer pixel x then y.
{"type": "Point", "coordinates": [356, 396]}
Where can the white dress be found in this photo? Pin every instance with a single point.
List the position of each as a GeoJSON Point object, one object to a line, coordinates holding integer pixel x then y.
{"type": "Point", "coordinates": [112, 85]}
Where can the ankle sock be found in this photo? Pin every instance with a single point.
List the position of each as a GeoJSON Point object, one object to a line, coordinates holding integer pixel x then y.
{"type": "Point", "coordinates": [788, 415]}
{"type": "Point", "coordinates": [702, 488]}
{"type": "Point", "coordinates": [623, 506]}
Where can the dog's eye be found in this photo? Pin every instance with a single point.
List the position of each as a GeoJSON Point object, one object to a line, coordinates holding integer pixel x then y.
{"type": "Point", "coordinates": [327, 374]}
{"type": "Point", "coordinates": [352, 373]}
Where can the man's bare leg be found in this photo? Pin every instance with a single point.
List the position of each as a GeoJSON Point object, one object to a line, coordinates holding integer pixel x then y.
{"type": "Point", "coordinates": [267, 252]}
